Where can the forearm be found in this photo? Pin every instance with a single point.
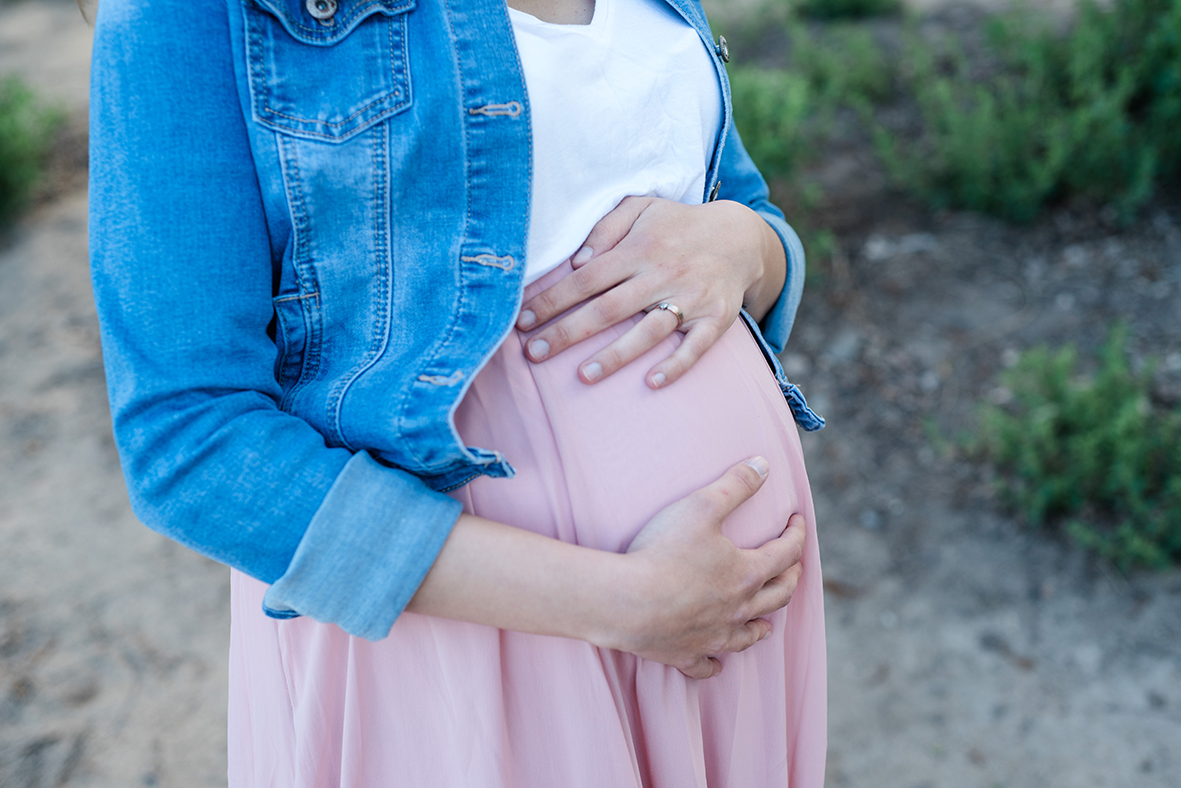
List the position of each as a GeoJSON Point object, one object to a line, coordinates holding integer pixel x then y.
{"type": "Point", "coordinates": [510, 578]}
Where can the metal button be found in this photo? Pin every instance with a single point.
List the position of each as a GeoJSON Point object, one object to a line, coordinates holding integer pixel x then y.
{"type": "Point", "coordinates": [722, 50]}
{"type": "Point", "coordinates": [322, 10]}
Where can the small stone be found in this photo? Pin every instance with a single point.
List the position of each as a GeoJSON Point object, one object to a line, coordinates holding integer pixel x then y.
{"type": "Point", "coordinates": [877, 248]}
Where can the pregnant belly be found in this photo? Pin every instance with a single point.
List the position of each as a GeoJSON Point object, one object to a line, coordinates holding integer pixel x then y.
{"type": "Point", "coordinates": [595, 462]}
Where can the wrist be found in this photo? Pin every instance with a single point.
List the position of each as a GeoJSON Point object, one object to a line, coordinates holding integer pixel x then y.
{"type": "Point", "coordinates": [616, 617]}
{"type": "Point", "coordinates": [771, 263]}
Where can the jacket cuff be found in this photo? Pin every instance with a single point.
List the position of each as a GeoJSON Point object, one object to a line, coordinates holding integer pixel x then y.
{"type": "Point", "coordinates": [776, 325]}
{"type": "Point", "coordinates": [366, 551]}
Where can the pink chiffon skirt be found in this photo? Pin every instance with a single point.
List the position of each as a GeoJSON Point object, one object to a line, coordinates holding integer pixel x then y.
{"type": "Point", "coordinates": [452, 705]}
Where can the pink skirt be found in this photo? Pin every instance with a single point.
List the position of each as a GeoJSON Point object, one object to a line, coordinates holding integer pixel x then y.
{"type": "Point", "coordinates": [443, 704]}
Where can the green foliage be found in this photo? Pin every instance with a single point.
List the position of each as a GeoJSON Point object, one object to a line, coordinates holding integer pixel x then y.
{"type": "Point", "coordinates": [842, 64]}
{"type": "Point", "coordinates": [781, 113]}
{"type": "Point", "coordinates": [1095, 456]}
{"type": "Point", "coordinates": [1093, 112]}
{"type": "Point", "coordinates": [25, 128]}
{"type": "Point", "coordinates": [770, 110]}
{"type": "Point", "coordinates": [847, 9]}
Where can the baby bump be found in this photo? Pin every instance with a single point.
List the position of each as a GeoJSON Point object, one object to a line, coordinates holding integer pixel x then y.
{"type": "Point", "coordinates": [595, 462]}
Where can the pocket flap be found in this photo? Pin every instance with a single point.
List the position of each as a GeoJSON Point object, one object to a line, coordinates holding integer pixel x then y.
{"type": "Point", "coordinates": [298, 21]}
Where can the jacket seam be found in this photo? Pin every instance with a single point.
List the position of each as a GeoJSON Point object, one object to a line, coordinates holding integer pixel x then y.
{"type": "Point", "coordinates": [385, 283]}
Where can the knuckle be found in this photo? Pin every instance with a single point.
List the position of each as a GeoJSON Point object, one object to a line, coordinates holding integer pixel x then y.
{"type": "Point", "coordinates": [717, 499]}
{"type": "Point", "coordinates": [605, 310]}
{"type": "Point", "coordinates": [610, 359]}
{"type": "Point", "coordinates": [751, 581]}
{"type": "Point", "coordinates": [583, 283]}
{"type": "Point", "coordinates": [544, 304]}
{"type": "Point", "coordinates": [560, 335]}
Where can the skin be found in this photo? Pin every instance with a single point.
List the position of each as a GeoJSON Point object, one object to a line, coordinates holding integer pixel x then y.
{"type": "Point", "coordinates": [682, 593]}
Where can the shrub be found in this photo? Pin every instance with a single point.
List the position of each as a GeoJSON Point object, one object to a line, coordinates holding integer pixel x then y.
{"type": "Point", "coordinates": [847, 9]}
{"type": "Point", "coordinates": [842, 64]}
{"type": "Point", "coordinates": [1095, 456]}
{"type": "Point", "coordinates": [25, 127]}
{"type": "Point", "coordinates": [770, 110]}
{"type": "Point", "coordinates": [1092, 112]}
{"type": "Point", "coordinates": [783, 113]}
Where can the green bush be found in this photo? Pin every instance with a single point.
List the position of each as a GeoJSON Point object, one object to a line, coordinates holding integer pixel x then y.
{"type": "Point", "coordinates": [842, 64]}
{"type": "Point", "coordinates": [1096, 457]}
{"type": "Point", "coordinates": [1093, 112]}
{"type": "Point", "coordinates": [847, 9]}
{"type": "Point", "coordinates": [25, 128]}
{"type": "Point", "coordinates": [782, 113]}
{"type": "Point", "coordinates": [770, 111]}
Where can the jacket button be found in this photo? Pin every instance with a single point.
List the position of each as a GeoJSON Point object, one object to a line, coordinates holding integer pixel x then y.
{"type": "Point", "coordinates": [322, 10]}
{"type": "Point", "coordinates": [722, 50]}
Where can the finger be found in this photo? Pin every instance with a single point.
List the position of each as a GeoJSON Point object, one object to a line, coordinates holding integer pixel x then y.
{"type": "Point", "coordinates": [566, 293]}
{"type": "Point", "coordinates": [704, 668]}
{"type": "Point", "coordinates": [599, 313]}
{"type": "Point", "coordinates": [748, 634]}
{"type": "Point", "coordinates": [610, 230]}
{"type": "Point", "coordinates": [777, 555]}
{"type": "Point", "coordinates": [698, 340]}
{"type": "Point", "coordinates": [638, 340]}
{"type": "Point", "coordinates": [734, 488]}
{"type": "Point", "coordinates": [777, 591]}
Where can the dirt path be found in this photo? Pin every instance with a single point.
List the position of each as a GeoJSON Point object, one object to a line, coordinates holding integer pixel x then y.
{"type": "Point", "coordinates": [964, 651]}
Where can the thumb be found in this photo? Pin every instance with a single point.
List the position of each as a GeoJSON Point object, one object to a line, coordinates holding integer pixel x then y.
{"type": "Point", "coordinates": [735, 487]}
{"type": "Point", "coordinates": [609, 230]}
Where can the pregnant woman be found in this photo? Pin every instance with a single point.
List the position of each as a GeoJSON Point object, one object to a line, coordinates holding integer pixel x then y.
{"type": "Point", "coordinates": [439, 322]}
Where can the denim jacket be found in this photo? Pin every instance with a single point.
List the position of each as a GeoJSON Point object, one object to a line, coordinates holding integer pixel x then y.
{"type": "Point", "coordinates": [308, 227]}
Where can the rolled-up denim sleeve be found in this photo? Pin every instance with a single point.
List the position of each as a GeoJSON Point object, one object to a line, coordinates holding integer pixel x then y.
{"type": "Point", "coordinates": [182, 272]}
{"type": "Point", "coordinates": [741, 182]}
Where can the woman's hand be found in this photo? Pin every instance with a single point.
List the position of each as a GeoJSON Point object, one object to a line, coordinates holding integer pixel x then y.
{"type": "Point", "coordinates": [707, 260]}
{"type": "Point", "coordinates": [701, 595]}
{"type": "Point", "coordinates": [681, 594]}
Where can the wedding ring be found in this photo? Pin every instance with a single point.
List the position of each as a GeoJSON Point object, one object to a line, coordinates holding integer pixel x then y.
{"type": "Point", "coordinates": [667, 307]}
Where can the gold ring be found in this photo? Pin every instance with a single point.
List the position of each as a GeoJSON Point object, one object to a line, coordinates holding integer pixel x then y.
{"type": "Point", "coordinates": [667, 307]}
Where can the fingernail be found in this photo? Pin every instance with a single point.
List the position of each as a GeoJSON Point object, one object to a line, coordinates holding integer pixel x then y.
{"type": "Point", "coordinates": [583, 254]}
{"type": "Point", "coordinates": [526, 320]}
{"type": "Point", "coordinates": [760, 466]}
{"type": "Point", "coordinates": [766, 635]}
{"type": "Point", "coordinates": [658, 379]}
{"type": "Point", "coordinates": [592, 371]}
{"type": "Point", "coordinates": [538, 349]}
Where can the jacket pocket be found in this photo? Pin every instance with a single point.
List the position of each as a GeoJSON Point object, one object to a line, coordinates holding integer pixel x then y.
{"type": "Point", "coordinates": [297, 335]}
{"type": "Point", "coordinates": [326, 79]}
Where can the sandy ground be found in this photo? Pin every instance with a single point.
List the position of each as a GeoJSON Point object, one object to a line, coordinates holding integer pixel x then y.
{"type": "Point", "coordinates": [963, 650]}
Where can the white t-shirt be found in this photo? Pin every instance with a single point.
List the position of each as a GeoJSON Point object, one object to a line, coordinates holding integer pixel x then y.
{"type": "Point", "coordinates": [627, 105]}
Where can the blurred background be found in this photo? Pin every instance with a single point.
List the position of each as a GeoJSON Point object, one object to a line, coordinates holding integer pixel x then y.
{"type": "Point", "coordinates": [991, 202]}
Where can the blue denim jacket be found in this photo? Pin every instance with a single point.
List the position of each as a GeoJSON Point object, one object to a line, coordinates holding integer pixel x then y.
{"type": "Point", "coordinates": [307, 236]}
